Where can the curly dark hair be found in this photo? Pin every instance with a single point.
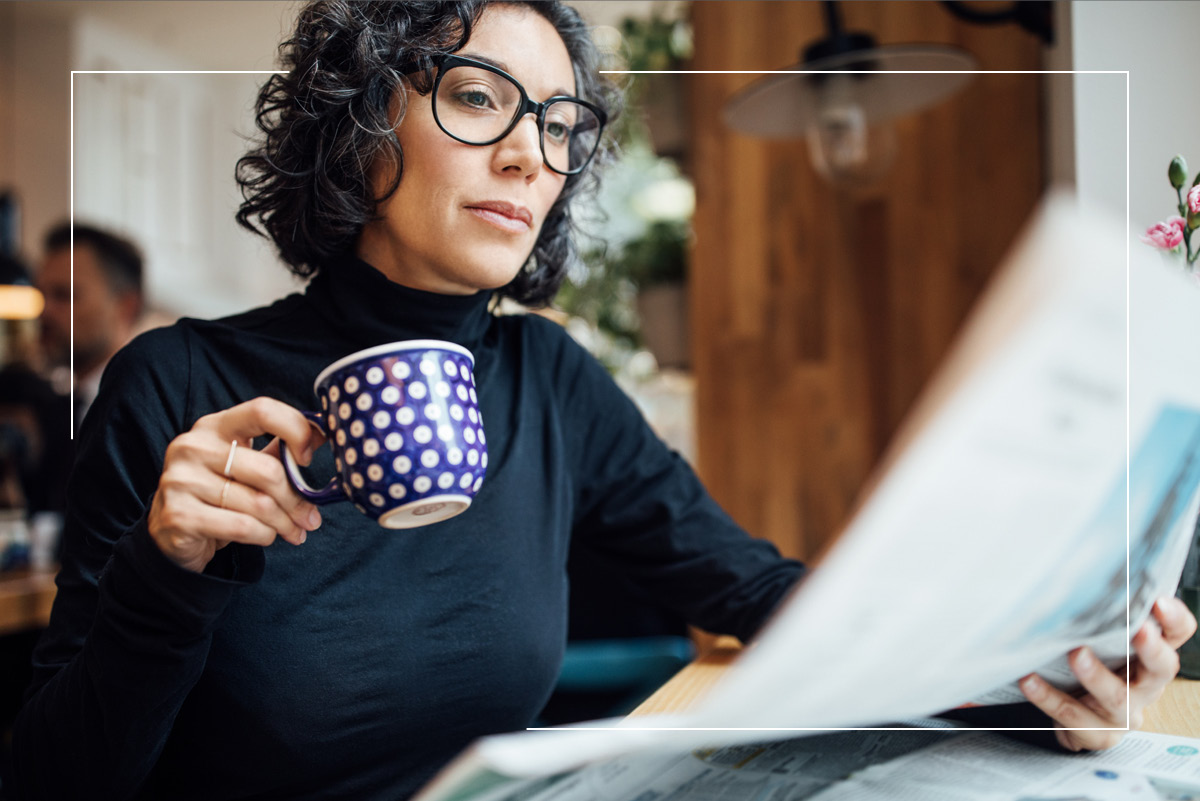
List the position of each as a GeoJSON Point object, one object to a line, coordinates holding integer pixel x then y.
{"type": "Point", "coordinates": [305, 185]}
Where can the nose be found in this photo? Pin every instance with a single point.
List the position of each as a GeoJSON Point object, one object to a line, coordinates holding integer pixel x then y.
{"type": "Point", "coordinates": [520, 152]}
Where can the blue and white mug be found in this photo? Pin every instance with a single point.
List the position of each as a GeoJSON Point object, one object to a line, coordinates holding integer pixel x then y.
{"type": "Point", "coordinates": [403, 420]}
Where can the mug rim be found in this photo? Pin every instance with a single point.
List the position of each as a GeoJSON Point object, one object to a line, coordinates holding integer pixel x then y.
{"type": "Point", "coordinates": [389, 347]}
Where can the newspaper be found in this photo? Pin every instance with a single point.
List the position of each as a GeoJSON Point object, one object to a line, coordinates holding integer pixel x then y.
{"type": "Point", "coordinates": [792, 769]}
{"type": "Point", "coordinates": [870, 765]}
{"type": "Point", "coordinates": [977, 766]}
{"type": "Point", "coordinates": [994, 537]}
{"type": "Point", "coordinates": [996, 540]}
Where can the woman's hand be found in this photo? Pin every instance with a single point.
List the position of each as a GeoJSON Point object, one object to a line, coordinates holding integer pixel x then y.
{"type": "Point", "coordinates": [199, 508]}
{"type": "Point", "coordinates": [1153, 668]}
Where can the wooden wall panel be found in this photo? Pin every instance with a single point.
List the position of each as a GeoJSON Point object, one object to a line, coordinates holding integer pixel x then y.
{"type": "Point", "coordinates": [819, 316]}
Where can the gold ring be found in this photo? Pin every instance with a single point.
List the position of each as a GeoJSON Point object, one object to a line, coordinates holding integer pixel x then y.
{"type": "Point", "coordinates": [224, 490]}
{"type": "Point", "coordinates": [229, 462]}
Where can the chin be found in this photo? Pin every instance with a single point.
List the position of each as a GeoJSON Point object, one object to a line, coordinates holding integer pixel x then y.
{"type": "Point", "coordinates": [499, 282]}
{"type": "Point", "coordinates": [488, 276]}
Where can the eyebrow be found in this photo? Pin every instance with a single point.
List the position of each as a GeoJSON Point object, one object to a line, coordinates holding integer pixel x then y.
{"type": "Point", "coordinates": [500, 65]}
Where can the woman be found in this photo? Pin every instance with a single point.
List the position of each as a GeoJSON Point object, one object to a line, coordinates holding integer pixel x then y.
{"type": "Point", "coordinates": [191, 655]}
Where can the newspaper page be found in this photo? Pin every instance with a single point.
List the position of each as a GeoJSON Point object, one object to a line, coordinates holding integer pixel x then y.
{"type": "Point", "coordinates": [977, 766]}
{"type": "Point", "coordinates": [996, 539]}
{"type": "Point", "coordinates": [786, 769]}
{"type": "Point", "coordinates": [872, 765]}
{"type": "Point", "coordinates": [993, 539]}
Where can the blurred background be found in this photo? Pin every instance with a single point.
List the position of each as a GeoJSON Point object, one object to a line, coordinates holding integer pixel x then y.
{"type": "Point", "coordinates": [817, 308]}
{"type": "Point", "coordinates": [774, 304]}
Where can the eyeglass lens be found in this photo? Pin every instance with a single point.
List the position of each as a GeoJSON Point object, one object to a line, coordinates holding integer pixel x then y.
{"type": "Point", "coordinates": [477, 106]}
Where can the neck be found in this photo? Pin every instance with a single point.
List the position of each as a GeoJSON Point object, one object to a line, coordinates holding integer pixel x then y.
{"type": "Point", "coordinates": [372, 309]}
{"type": "Point", "coordinates": [378, 249]}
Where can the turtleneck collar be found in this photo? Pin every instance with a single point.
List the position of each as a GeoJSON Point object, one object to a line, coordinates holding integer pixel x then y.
{"type": "Point", "coordinates": [370, 309]}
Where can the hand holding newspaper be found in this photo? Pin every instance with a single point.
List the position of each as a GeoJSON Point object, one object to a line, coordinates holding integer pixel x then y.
{"type": "Point", "coordinates": [994, 537]}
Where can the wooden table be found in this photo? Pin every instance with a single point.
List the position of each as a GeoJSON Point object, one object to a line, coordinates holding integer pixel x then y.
{"type": "Point", "coordinates": [1177, 712]}
{"type": "Point", "coordinates": [25, 598]}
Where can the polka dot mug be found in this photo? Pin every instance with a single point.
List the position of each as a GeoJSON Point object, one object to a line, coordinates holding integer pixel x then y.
{"type": "Point", "coordinates": [403, 420]}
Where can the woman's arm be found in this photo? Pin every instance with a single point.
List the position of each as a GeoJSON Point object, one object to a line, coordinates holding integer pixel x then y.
{"type": "Point", "coordinates": [641, 508]}
{"type": "Point", "coordinates": [131, 625]}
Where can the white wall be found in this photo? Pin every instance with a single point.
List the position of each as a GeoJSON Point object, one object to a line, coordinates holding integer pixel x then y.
{"type": "Point", "coordinates": [38, 121]}
{"type": "Point", "coordinates": [154, 153]}
{"type": "Point", "coordinates": [1156, 42]}
{"type": "Point", "coordinates": [154, 158]}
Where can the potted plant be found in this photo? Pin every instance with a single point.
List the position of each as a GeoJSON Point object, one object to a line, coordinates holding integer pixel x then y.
{"type": "Point", "coordinates": [632, 293]}
{"type": "Point", "coordinates": [656, 263]}
{"type": "Point", "coordinates": [658, 44]}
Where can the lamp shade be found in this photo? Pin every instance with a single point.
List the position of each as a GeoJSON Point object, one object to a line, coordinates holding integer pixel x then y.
{"type": "Point", "coordinates": [886, 82]}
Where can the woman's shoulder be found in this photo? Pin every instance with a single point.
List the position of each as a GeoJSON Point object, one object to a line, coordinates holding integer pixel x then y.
{"type": "Point", "coordinates": [546, 334]}
{"type": "Point", "coordinates": [161, 346]}
{"type": "Point", "coordinates": [165, 345]}
{"type": "Point", "coordinates": [573, 371]}
{"type": "Point", "coordinates": [284, 312]}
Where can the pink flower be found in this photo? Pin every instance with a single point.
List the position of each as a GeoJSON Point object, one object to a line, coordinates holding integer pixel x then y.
{"type": "Point", "coordinates": [1166, 235]}
{"type": "Point", "coordinates": [1193, 200]}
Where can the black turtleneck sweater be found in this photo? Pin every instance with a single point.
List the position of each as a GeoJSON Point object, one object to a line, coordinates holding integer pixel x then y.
{"type": "Point", "coordinates": [356, 665]}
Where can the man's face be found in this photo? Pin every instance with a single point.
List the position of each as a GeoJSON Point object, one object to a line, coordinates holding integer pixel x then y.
{"type": "Point", "coordinates": [98, 320]}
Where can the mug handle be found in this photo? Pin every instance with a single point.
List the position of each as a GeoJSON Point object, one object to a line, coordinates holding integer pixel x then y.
{"type": "Point", "coordinates": [331, 492]}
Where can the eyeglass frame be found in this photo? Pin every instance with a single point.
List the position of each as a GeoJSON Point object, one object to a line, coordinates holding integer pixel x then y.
{"type": "Point", "coordinates": [445, 63]}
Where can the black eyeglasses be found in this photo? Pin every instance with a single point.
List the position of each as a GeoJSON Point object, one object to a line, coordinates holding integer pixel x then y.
{"type": "Point", "coordinates": [479, 104]}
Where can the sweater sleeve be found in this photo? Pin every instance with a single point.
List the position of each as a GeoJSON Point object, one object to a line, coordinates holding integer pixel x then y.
{"type": "Point", "coordinates": [640, 506]}
{"type": "Point", "coordinates": [130, 630]}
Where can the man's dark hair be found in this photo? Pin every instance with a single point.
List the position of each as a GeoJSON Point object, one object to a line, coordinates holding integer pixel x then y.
{"type": "Point", "coordinates": [119, 258]}
{"type": "Point", "coordinates": [331, 116]}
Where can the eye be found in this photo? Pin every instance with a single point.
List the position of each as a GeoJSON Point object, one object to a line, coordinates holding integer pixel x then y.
{"type": "Point", "coordinates": [558, 132]}
{"type": "Point", "coordinates": [474, 98]}
{"type": "Point", "coordinates": [559, 124]}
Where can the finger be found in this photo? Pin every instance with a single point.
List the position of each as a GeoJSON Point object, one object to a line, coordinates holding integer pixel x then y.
{"type": "Point", "coordinates": [317, 440]}
{"type": "Point", "coordinates": [1071, 714]}
{"type": "Point", "coordinates": [1107, 693]}
{"type": "Point", "coordinates": [187, 521]}
{"type": "Point", "coordinates": [264, 474]}
{"type": "Point", "coordinates": [1157, 662]}
{"type": "Point", "coordinates": [1084, 740]}
{"type": "Point", "coordinates": [263, 415]}
{"type": "Point", "coordinates": [233, 496]}
{"type": "Point", "coordinates": [1177, 621]}
{"type": "Point", "coordinates": [190, 453]}
{"type": "Point", "coordinates": [307, 515]}
{"type": "Point", "coordinates": [231, 525]}
{"type": "Point", "coordinates": [1068, 712]}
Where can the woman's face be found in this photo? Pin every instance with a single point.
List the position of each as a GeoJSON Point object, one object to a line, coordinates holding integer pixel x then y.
{"type": "Point", "coordinates": [465, 218]}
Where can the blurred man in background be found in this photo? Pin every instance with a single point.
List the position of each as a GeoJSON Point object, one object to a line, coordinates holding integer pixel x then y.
{"type": "Point", "coordinates": [108, 302]}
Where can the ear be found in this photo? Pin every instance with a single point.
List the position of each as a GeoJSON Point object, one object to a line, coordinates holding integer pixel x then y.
{"type": "Point", "coordinates": [130, 306]}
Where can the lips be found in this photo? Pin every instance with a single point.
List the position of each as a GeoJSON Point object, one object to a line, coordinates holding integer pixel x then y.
{"type": "Point", "coordinates": [506, 216]}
